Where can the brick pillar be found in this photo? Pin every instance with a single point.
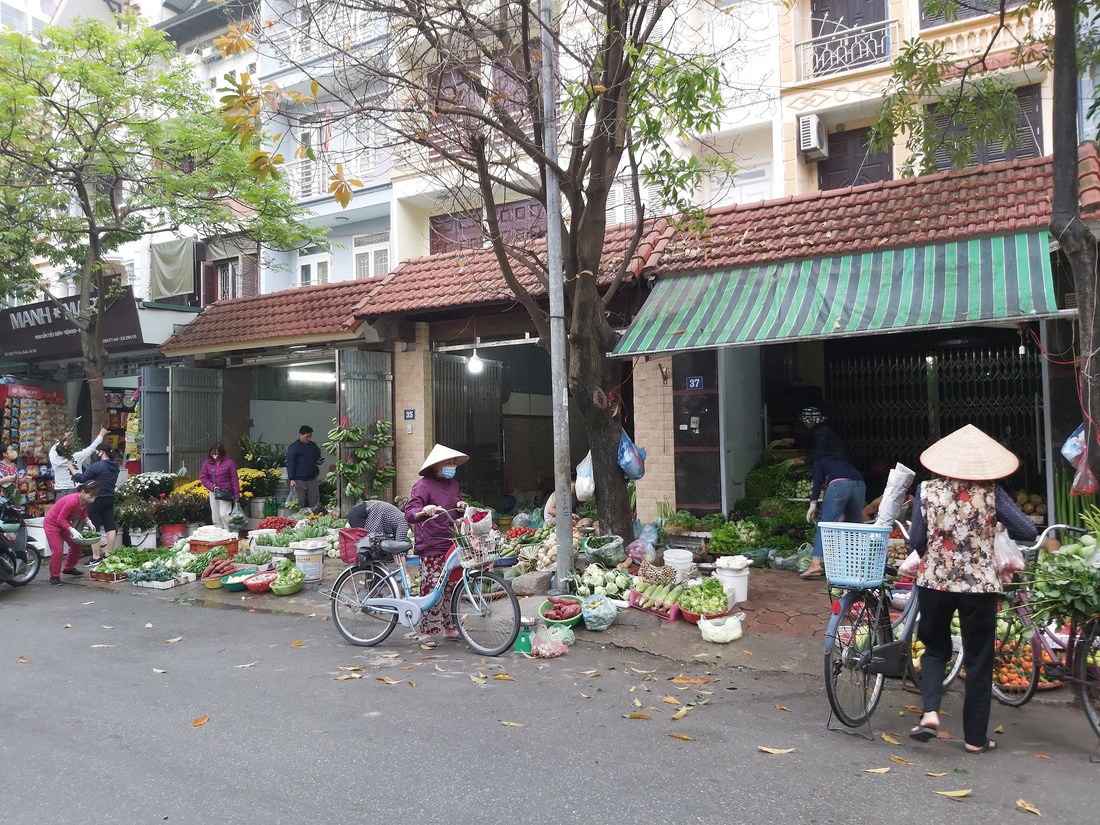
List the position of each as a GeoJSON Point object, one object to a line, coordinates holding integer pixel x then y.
{"type": "Point", "coordinates": [412, 390]}
{"type": "Point", "coordinates": [653, 429]}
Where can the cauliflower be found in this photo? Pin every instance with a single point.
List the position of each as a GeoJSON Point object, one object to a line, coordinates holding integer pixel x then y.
{"type": "Point", "coordinates": [599, 591]}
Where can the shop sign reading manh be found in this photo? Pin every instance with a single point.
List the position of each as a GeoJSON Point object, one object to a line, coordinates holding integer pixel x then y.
{"type": "Point", "coordinates": [42, 331]}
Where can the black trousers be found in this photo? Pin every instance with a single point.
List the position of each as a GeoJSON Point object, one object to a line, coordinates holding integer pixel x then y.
{"type": "Point", "coordinates": [978, 619]}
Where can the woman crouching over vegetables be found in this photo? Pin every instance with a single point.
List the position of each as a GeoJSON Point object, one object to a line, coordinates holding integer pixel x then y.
{"type": "Point", "coordinates": [60, 528]}
{"type": "Point", "coordinates": [435, 492]}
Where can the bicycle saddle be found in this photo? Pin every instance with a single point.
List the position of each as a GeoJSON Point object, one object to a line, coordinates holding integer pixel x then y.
{"type": "Point", "coordinates": [396, 548]}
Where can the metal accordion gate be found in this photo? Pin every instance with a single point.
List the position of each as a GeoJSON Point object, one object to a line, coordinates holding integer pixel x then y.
{"type": "Point", "coordinates": [893, 406]}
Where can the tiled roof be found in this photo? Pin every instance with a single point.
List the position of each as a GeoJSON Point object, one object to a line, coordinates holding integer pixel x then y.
{"type": "Point", "coordinates": [990, 200]}
{"type": "Point", "coordinates": [316, 312]}
{"type": "Point", "coordinates": [472, 276]}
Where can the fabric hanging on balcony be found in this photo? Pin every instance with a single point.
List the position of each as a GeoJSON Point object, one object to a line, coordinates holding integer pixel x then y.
{"type": "Point", "coordinates": [173, 268]}
{"type": "Point", "coordinates": [943, 285]}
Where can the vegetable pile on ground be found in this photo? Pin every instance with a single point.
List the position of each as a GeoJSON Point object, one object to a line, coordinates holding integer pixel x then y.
{"type": "Point", "coordinates": [274, 523]}
{"type": "Point", "coordinates": [288, 574]}
{"type": "Point", "coordinates": [602, 582]}
{"type": "Point", "coordinates": [257, 557]}
{"type": "Point", "coordinates": [218, 568]}
{"type": "Point", "coordinates": [657, 597]}
{"type": "Point", "coordinates": [707, 598]}
{"type": "Point", "coordinates": [563, 609]}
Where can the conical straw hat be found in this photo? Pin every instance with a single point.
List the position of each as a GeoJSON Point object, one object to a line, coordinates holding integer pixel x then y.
{"type": "Point", "coordinates": [969, 454]}
{"type": "Point", "coordinates": [440, 453]}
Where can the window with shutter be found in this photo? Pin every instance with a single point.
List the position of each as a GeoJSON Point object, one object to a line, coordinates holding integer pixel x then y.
{"type": "Point", "coordinates": [521, 220]}
{"type": "Point", "coordinates": [250, 275]}
{"type": "Point", "coordinates": [1029, 135]}
{"type": "Point", "coordinates": [852, 162]}
{"type": "Point", "coordinates": [965, 9]}
{"type": "Point", "coordinates": [209, 283]}
{"type": "Point", "coordinates": [457, 230]}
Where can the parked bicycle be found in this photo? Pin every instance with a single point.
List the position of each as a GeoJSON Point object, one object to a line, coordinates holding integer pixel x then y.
{"type": "Point", "coordinates": [863, 643]}
{"type": "Point", "coordinates": [1026, 651]}
{"type": "Point", "coordinates": [369, 598]}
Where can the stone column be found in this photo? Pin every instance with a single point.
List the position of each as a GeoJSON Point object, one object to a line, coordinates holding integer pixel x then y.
{"type": "Point", "coordinates": [412, 390]}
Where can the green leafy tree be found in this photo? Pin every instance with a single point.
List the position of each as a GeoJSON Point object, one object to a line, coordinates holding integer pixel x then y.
{"type": "Point", "coordinates": [456, 89]}
{"type": "Point", "coordinates": [107, 138]}
{"type": "Point", "coordinates": [928, 81]}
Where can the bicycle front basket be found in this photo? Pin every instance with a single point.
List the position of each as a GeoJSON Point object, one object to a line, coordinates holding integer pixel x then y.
{"type": "Point", "coordinates": [478, 551]}
{"type": "Point", "coordinates": [855, 554]}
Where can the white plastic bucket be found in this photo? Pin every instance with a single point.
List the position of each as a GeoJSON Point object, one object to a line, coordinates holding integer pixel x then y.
{"type": "Point", "coordinates": [681, 560]}
{"type": "Point", "coordinates": [36, 531]}
{"type": "Point", "coordinates": [735, 583]}
{"type": "Point", "coordinates": [309, 556]}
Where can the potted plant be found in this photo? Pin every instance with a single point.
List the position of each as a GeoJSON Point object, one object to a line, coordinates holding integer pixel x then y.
{"type": "Point", "coordinates": [169, 512]}
{"type": "Point", "coordinates": [256, 487]}
{"type": "Point", "coordinates": [135, 516]}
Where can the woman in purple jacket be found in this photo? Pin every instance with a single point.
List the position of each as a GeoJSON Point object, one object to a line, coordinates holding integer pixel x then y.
{"type": "Point", "coordinates": [219, 477]}
{"type": "Point", "coordinates": [435, 492]}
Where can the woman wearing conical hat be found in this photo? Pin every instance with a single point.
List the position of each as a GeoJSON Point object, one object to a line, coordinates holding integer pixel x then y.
{"type": "Point", "coordinates": [954, 518]}
{"type": "Point", "coordinates": [436, 491]}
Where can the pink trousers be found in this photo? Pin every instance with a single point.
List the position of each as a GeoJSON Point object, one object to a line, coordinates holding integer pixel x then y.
{"type": "Point", "coordinates": [57, 541]}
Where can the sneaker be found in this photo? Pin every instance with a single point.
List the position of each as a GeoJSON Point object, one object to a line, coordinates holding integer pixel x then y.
{"type": "Point", "coordinates": [72, 571]}
{"type": "Point", "coordinates": [56, 580]}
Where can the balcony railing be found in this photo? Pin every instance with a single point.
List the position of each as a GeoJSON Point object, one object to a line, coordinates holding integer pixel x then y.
{"type": "Point", "coordinates": [847, 49]}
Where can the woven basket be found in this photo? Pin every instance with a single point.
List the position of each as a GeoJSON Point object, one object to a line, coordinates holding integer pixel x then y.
{"type": "Point", "coordinates": [652, 573]}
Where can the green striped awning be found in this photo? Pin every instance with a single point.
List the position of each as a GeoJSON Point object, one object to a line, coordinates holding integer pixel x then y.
{"type": "Point", "coordinates": [943, 285]}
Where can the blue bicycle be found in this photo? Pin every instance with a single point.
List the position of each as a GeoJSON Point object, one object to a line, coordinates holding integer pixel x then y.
{"type": "Point", "coordinates": [370, 598]}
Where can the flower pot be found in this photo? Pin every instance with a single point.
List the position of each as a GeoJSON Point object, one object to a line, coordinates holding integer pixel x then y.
{"type": "Point", "coordinates": [171, 533]}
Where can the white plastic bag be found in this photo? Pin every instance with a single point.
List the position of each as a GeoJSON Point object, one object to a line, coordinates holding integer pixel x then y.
{"type": "Point", "coordinates": [911, 566]}
{"type": "Point", "coordinates": [1008, 557]}
{"type": "Point", "coordinates": [723, 630]}
{"type": "Point", "coordinates": [586, 483]}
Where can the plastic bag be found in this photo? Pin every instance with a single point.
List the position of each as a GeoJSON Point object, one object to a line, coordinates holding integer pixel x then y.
{"type": "Point", "coordinates": [648, 534]}
{"type": "Point", "coordinates": [805, 557]}
{"type": "Point", "coordinates": [758, 557]}
{"type": "Point", "coordinates": [586, 482]}
{"type": "Point", "coordinates": [561, 633]}
{"type": "Point", "coordinates": [640, 551]}
{"type": "Point", "coordinates": [534, 521]}
{"type": "Point", "coordinates": [1007, 555]}
{"type": "Point", "coordinates": [477, 522]}
{"type": "Point", "coordinates": [543, 645]}
{"type": "Point", "coordinates": [722, 630]}
{"type": "Point", "coordinates": [1075, 445]}
{"type": "Point", "coordinates": [1084, 482]}
{"type": "Point", "coordinates": [631, 457]}
{"type": "Point", "coordinates": [598, 612]}
{"type": "Point", "coordinates": [237, 519]}
{"type": "Point", "coordinates": [611, 554]}
{"type": "Point", "coordinates": [291, 502]}
{"type": "Point", "coordinates": [521, 518]}
{"type": "Point", "coordinates": [910, 567]}
{"type": "Point", "coordinates": [778, 562]}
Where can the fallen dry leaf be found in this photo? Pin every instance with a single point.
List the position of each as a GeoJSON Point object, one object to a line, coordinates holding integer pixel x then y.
{"type": "Point", "coordinates": [632, 688]}
{"type": "Point", "coordinates": [158, 670]}
{"type": "Point", "coordinates": [298, 643]}
{"type": "Point", "coordinates": [324, 618]}
{"type": "Point", "coordinates": [389, 655]}
{"type": "Point", "coordinates": [428, 658]}
{"type": "Point", "coordinates": [99, 646]}
{"type": "Point", "coordinates": [943, 735]}
{"type": "Point", "coordinates": [900, 761]}
{"type": "Point", "coordinates": [477, 679]}
{"type": "Point", "coordinates": [513, 724]}
{"type": "Point", "coordinates": [642, 671]}
{"type": "Point", "coordinates": [936, 774]}
{"type": "Point", "coordinates": [684, 680]}
{"type": "Point", "coordinates": [86, 603]}
{"type": "Point", "coordinates": [250, 664]}
{"type": "Point", "coordinates": [172, 641]}
{"type": "Point", "coordinates": [22, 660]}
{"type": "Point", "coordinates": [427, 647]}
{"type": "Point", "coordinates": [954, 794]}
{"type": "Point", "coordinates": [637, 703]}
{"type": "Point", "coordinates": [654, 709]}
{"type": "Point", "coordinates": [650, 679]}
{"type": "Point", "coordinates": [412, 683]}
{"type": "Point", "coordinates": [344, 677]}
{"type": "Point", "coordinates": [682, 712]}
{"type": "Point", "coordinates": [202, 720]}
{"type": "Point", "coordinates": [388, 680]}
{"type": "Point", "coordinates": [350, 668]}
{"type": "Point", "coordinates": [777, 707]}
{"type": "Point", "coordinates": [503, 677]}
{"type": "Point", "coordinates": [671, 700]}
{"type": "Point", "coordinates": [877, 770]}
{"type": "Point", "coordinates": [407, 667]}
{"type": "Point", "coordinates": [66, 627]}
{"type": "Point", "coordinates": [999, 729]}
{"type": "Point", "coordinates": [312, 616]}
{"type": "Point", "coordinates": [679, 736]}
{"type": "Point", "coordinates": [637, 716]}
{"type": "Point", "coordinates": [108, 627]}
{"type": "Point", "coordinates": [911, 708]}
{"type": "Point", "coordinates": [441, 670]}
{"type": "Point", "coordinates": [148, 625]}
{"type": "Point", "coordinates": [700, 656]}
{"type": "Point", "coordinates": [585, 696]}
{"type": "Point", "coordinates": [1027, 806]}
{"type": "Point", "coordinates": [888, 738]}
{"type": "Point", "coordinates": [1041, 756]}
{"type": "Point", "coordinates": [775, 750]}
{"type": "Point", "coordinates": [747, 652]}
{"type": "Point", "coordinates": [628, 662]}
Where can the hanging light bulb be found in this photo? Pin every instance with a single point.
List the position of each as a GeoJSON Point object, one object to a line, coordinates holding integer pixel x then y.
{"type": "Point", "coordinates": [475, 364]}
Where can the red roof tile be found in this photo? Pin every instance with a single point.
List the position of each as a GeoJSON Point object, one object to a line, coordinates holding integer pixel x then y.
{"type": "Point", "coordinates": [1006, 197]}
{"type": "Point", "coordinates": [316, 312]}
{"type": "Point", "coordinates": [472, 276]}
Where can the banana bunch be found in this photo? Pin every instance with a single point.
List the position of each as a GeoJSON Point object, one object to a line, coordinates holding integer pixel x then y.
{"type": "Point", "coordinates": [339, 435]}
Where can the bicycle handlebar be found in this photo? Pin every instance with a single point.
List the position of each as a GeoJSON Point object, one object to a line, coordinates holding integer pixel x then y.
{"type": "Point", "coordinates": [1043, 536]}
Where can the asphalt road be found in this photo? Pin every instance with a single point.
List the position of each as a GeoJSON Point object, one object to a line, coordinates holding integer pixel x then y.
{"type": "Point", "coordinates": [94, 732]}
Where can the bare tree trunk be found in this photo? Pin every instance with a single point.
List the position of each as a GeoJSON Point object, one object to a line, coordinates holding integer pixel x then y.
{"type": "Point", "coordinates": [1075, 239]}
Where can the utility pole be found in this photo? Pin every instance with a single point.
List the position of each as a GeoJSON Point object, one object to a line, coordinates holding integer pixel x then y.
{"type": "Point", "coordinates": [559, 394]}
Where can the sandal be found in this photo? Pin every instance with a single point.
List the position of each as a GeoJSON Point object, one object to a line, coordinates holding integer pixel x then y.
{"type": "Point", "coordinates": [922, 733]}
{"type": "Point", "coordinates": [429, 643]}
{"type": "Point", "coordinates": [816, 574]}
{"type": "Point", "coordinates": [990, 745]}
{"type": "Point", "coordinates": [455, 638]}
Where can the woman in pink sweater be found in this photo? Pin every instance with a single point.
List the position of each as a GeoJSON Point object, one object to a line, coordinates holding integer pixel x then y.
{"type": "Point", "coordinates": [60, 524]}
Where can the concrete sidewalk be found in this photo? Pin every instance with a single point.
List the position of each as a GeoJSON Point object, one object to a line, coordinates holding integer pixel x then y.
{"type": "Point", "coordinates": [784, 624]}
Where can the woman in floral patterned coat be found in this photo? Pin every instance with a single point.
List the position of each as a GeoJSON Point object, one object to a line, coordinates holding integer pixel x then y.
{"type": "Point", "coordinates": [954, 518]}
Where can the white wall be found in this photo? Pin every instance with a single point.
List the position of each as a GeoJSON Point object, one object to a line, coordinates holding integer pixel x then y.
{"type": "Point", "coordinates": [278, 422]}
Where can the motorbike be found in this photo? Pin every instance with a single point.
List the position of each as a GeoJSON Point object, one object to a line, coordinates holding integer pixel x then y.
{"type": "Point", "coordinates": [20, 559]}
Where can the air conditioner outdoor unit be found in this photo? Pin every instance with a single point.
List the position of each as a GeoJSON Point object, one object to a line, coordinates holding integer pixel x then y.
{"type": "Point", "coordinates": [812, 140]}
{"type": "Point", "coordinates": [210, 53]}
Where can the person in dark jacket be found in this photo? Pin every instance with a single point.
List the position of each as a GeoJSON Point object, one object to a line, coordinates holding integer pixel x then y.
{"type": "Point", "coordinates": [303, 463]}
{"type": "Point", "coordinates": [101, 512]}
{"type": "Point", "coordinates": [819, 440]}
{"type": "Point", "coordinates": [376, 516]}
{"type": "Point", "coordinates": [845, 495]}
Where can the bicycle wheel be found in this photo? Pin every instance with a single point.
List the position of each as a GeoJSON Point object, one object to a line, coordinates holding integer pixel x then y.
{"type": "Point", "coordinates": [1016, 664]}
{"type": "Point", "coordinates": [360, 625]}
{"type": "Point", "coordinates": [1086, 670]}
{"type": "Point", "coordinates": [853, 692]}
{"type": "Point", "coordinates": [916, 655]}
{"type": "Point", "coordinates": [486, 612]}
